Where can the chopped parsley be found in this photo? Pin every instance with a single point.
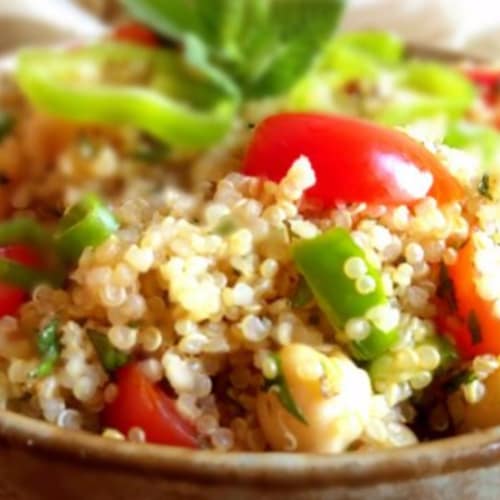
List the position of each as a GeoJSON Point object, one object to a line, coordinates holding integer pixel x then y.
{"type": "Point", "coordinates": [6, 124]}
{"type": "Point", "coordinates": [279, 386]}
{"type": "Point", "coordinates": [225, 226]}
{"type": "Point", "coordinates": [86, 147]}
{"type": "Point", "coordinates": [302, 295]}
{"type": "Point", "coordinates": [446, 290]}
{"type": "Point", "coordinates": [484, 187]}
{"type": "Point", "coordinates": [110, 357]}
{"type": "Point", "coordinates": [474, 328]}
{"type": "Point", "coordinates": [150, 151]}
{"type": "Point", "coordinates": [462, 378]}
{"type": "Point", "coordinates": [49, 349]}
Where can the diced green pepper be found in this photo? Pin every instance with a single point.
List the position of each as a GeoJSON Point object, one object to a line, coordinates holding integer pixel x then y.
{"type": "Point", "coordinates": [27, 278]}
{"type": "Point", "coordinates": [24, 230]}
{"type": "Point", "coordinates": [87, 224]}
{"type": "Point", "coordinates": [157, 91]}
{"type": "Point", "coordinates": [322, 262]}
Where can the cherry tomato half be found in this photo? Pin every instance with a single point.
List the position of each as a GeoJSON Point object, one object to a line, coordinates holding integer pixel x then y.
{"type": "Point", "coordinates": [12, 297]}
{"type": "Point", "coordinates": [354, 160]}
{"type": "Point", "coordinates": [140, 403]}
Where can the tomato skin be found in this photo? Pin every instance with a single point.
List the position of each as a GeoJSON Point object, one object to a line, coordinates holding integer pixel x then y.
{"type": "Point", "coordinates": [137, 33]}
{"type": "Point", "coordinates": [354, 160]}
{"type": "Point", "coordinates": [140, 403]}
{"type": "Point", "coordinates": [486, 77]}
{"type": "Point", "coordinates": [462, 275]}
{"type": "Point", "coordinates": [12, 297]}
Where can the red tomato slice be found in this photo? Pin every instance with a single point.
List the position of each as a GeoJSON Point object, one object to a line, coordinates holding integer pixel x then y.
{"type": "Point", "coordinates": [479, 333]}
{"type": "Point", "coordinates": [487, 79]}
{"type": "Point", "coordinates": [12, 297]}
{"type": "Point", "coordinates": [135, 33]}
{"type": "Point", "coordinates": [484, 76]}
{"type": "Point", "coordinates": [142, 404]}
{"type": "Point", "coordinates": [354, 160]}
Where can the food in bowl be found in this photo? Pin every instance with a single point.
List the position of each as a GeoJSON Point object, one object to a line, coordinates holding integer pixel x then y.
{"type": "Point", "coordinates": [249, 236]}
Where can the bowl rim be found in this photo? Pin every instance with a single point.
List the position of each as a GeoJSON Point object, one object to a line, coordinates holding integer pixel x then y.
{"type": "Point", "coordinates": [445, 456]}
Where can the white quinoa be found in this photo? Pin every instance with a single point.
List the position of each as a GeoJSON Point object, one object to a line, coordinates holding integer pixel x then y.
{"type": "Point", "coordinates": [197, 284]}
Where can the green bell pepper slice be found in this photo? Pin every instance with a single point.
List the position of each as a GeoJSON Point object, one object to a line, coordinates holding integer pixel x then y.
{"type": "Point", "coordinates": [321, 261]}
{"type": "Point", "coordinates": [157, 91]}
{"type": "Point", "coordinates": [377, 46]}
{"type": "Point", "coordinates": [427, 89]}
{"type": "Point", "coordinates": [87, 224]}
{"type": "Point", "coordinates": [438, 80]}
{"type": "Point", "coordinates": [24, 230]}
{"type": "Point", "coordinates": [27, 278]}
{"type": "Point", "coordinates": [478, 139]}
{"type": "Point", "coordinates": [360, 56]}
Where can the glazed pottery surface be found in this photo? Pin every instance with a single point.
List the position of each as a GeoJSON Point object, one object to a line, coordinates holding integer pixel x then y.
{"type": "Point", "coordinates": [39, 461]}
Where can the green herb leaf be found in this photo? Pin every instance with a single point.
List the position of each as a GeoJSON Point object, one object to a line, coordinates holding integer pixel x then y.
{"type": "Point", "coordinates": [110, 357]}
{"type": "Point", "coordinates": [264, 45]}
{"type": "Point", "coordinates": [150, 151]}
{"type": "Point", "coordinates": [303, 294]}
{"type": "Point", "coordinates": [474, 328]}
{"type": "Point", "coordinates": [461, 378]}
{"type": "Point", "coordinates": [484, 187]}
{"type": "Point", "coordinates": [446, 290]}
{"type": "Point", "coordinates": [279, 385]}
{"type": "Point", "coordinates": [6, 124]}
{"type": "Point", "coordinates": [225, 227]}
{"type": "Point", "coordinates": [86, 147]}
{"type": "Point", "coordinates": [48, 348]}
{"type": "Point", "coordinates": [447, 351]}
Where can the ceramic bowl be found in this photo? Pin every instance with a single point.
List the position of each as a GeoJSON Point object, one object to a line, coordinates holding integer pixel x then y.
{"type": "Point", "coordinates": [40, 461]}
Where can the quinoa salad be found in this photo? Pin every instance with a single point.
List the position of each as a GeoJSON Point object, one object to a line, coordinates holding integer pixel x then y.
{"type": "Point", "coordinates": [250, 236]}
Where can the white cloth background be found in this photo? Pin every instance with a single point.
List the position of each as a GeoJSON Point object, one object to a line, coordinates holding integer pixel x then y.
{"type": "Point", "coordinates": [472, 25]}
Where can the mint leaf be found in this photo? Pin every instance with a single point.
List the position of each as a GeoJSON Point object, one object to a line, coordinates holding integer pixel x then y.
{"type": "Point", "coordinates": [263, 45]}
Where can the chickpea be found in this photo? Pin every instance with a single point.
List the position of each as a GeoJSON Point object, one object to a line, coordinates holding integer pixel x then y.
{"type": "Point", "coordinates": [481, 415]}
{"type": "Point", "coordinates": [333, 395]}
